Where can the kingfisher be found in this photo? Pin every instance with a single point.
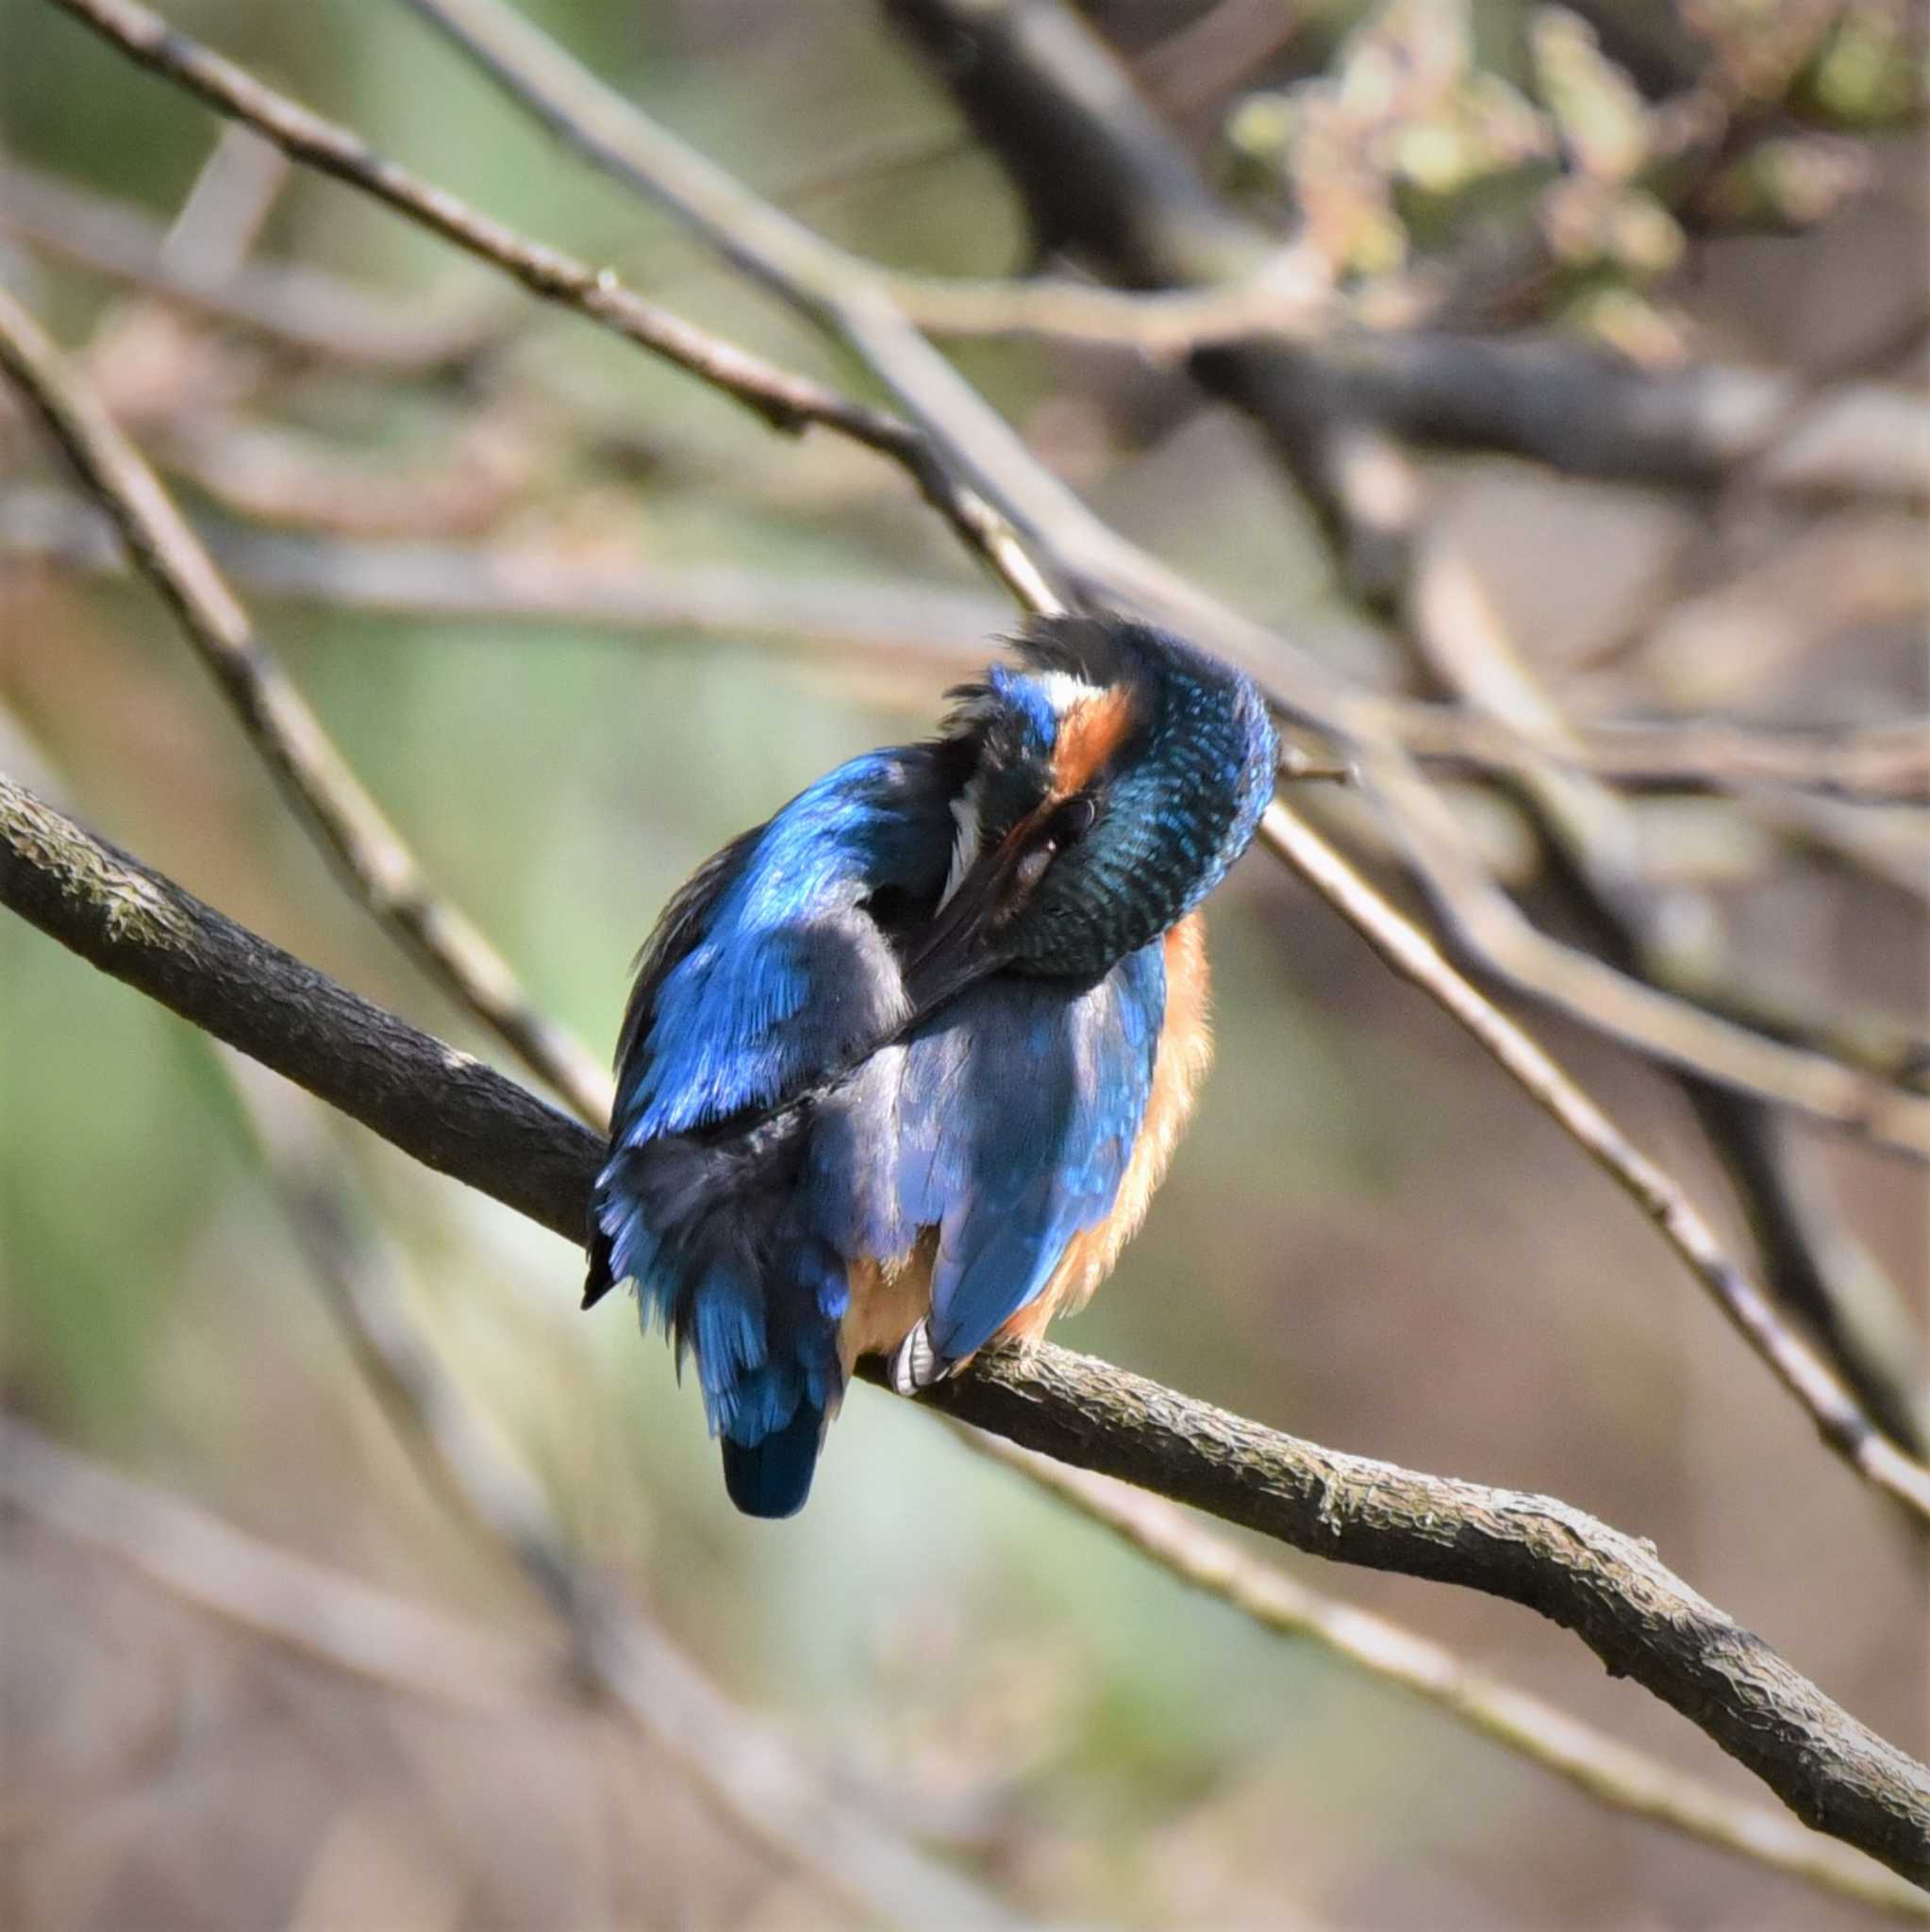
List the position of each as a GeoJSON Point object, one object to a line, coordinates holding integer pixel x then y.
{"type": "Point", "coordinates": [904, 1064]}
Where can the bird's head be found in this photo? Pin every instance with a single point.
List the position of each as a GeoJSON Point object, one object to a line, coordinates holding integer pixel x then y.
{"type": "Point", "coordinates": [1107, 785]}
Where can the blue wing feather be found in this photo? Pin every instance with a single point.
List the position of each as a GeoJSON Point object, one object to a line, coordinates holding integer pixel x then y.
{"type": "Point", "coordinates": [773, 1126]}
{"type": "Point", "coordinates": [1018, 1115]}
{"type": "Point", "coordinates": [782, 974]}
{"type": "Point", "coordinates": [769, 975]}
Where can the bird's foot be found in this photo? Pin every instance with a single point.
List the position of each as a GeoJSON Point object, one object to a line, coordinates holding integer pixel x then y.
{"type": "Point", "coordinates": [915, 1363]}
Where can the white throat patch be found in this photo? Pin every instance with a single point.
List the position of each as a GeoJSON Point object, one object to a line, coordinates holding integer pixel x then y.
{"type": "Point", "coordinates": [966, 841]}
{"type": "Point", "coordinates": [1062, 693]}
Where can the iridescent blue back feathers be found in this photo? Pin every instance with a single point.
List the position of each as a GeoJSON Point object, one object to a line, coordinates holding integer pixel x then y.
{"type": "Point", "coordinates": [891, 1052]}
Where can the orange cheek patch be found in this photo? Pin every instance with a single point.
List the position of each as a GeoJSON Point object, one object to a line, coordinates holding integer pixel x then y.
{"type": "Point", "coordinates": [1089, 734]}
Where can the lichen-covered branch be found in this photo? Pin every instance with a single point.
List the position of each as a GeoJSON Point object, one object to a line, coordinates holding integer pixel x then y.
{"type": "Point", "coordinates": [1607, 1770]}
{"type": "Point", "coordinates": [468, 1121]}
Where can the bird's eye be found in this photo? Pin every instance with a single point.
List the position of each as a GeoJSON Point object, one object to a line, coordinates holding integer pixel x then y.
{"type": "Point", "coordinates": [1071, 822]}
{"type": "Point", "coordinates": [1067, 825]}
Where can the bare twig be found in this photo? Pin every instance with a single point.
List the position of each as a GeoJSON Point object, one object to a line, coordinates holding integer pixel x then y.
{"type": "Point", "coordinates": [300, 1604]}
{"type": "Point", "coordinates": [1586, 414]}
{"type": "Point", "coordinates": [845, 296]}
{"type": "Point", "coordinates": [1673, 942]}
{"type": "Point", "coordinates": [226, 210]}
{"type": "Point", "coordinates": [627, 1660]}
{"type": "Point", "coordinates": [1845, 762]}
{"type": "Point", "coordinates": [784, 400]}
{"type": "Point", "coordinates": [270, 473]}
{"type": "Point", "coordinates": [746, 1767]}
{"type": "Point", "coordinates": [922, 629]}
{"type": "Point", "coordinates": [465, 1120]}
{"type": "Point", "coordinates": [509, 582]}
{"type": "Point", "coordinates": [317, 314]}
{"type": "Point", "coordinates": [1840, 1421]}
{"type": "Point", "coordinates": [1490, 931]}
{"type": "Point", "coordinates": [278, 721]}
{"type": "Point", "coordinates": [1604, 1767]}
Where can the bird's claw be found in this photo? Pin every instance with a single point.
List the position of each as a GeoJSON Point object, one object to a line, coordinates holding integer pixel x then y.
{"type": "Point", "coordinates": [915, 1363]}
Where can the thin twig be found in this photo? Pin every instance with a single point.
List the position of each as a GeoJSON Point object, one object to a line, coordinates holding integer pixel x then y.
{"type": "Point", "coordinates": [630, 1663]}
{"type": "Point", "coordinates": [1607, 1770]}
{"type": "Point", "coordinates": [781, 398]}
{"type": "Point", "coordinates": [784, 400]}
{"type": "Point", "coordinates": [224, 211]}
{"type": "Point", "coordinates": [747, 1768]}
{"type": "Point", "coordinates": [1845, 762]}
{"type": "Point", "coordinates": [926, 630]}
{"type": "Point", "coordinates": [303, 1605]}
{"type": "Point", "coordinates": [1676, 942]}
{"type": "Point", "coordinates": [372, 855]}
{"type": "Point", "coordinates": [481, 582]}
{"type": "Point", "coordinates": [317, 314]}
{"type": "Point", "coordinates": [1838, 1419]}
{"type": "Point", "coordinates": [1491, 932]}
{"type": "Point", "coordinates": [466, 1119]}
{"type": "Point", "coordinates": [844, 294]}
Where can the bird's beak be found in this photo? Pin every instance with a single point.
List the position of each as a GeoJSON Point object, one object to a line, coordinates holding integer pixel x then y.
{"type": "Point", "coordinates": [963, 946]}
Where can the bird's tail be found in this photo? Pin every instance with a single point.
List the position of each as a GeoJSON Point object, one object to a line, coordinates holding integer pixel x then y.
{"type": "Point", "coordinates": [773, 1476]}
{"type": "Point", "coordinates": [708, 1229]}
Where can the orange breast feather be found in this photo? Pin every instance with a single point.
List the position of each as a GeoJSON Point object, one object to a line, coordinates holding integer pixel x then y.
{"type": "Point", "coordinates": [1185, 1049]}
{"type": "Point", "coordinates": [889, 1297]}
{"type": "Point", "coordinates": [887, 1300]}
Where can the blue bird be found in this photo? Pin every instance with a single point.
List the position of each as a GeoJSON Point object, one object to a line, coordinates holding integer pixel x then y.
{"type": "Point", "coordinates": [903, 1065]}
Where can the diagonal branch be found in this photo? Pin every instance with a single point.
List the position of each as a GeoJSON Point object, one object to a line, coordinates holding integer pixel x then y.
{"type": "Point", "coordinates": [783, 399]}
{"type": "Point", "coordinates": [747, 1767]}
{"type": "Point", "coordinates": [349, 825]}
{"type": "Point", "coordinates": [1604, 1767]}
{"type": "Point", "coordinates": [1032, 531]}
{"type": "Point", "coordinates": [471, 1122]}
{"type": "Point", "coordinates": [1671, 939]}
{"type": "Point", "coordinates": [629, 1663]}
{"type": "Point", "coordinates": [848, 296]}
{"type": "Point", "coordinates": [1839, 1417]}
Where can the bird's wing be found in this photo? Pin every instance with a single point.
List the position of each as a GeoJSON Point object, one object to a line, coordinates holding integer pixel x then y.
{"type": "Point", "coordinates": [1020, 1109]}
{"type": "Point", "coordinates": [770, 972]}
{"type": "Point", "coordinates": [766, 974]}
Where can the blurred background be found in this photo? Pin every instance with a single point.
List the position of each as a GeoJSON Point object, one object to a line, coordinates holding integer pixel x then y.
{"type": "Point", "coordinates": [577, 620]}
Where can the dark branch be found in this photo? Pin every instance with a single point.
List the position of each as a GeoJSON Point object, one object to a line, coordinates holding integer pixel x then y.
{"type": "Point", "coordinates": [471, 1122]}
{"type": "Point", "coordinates": [1032, 532]}
{"type": "Point", "coordinates": [1039, 81]}
{"type": "Point", "coordinates": [448, 1110]}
